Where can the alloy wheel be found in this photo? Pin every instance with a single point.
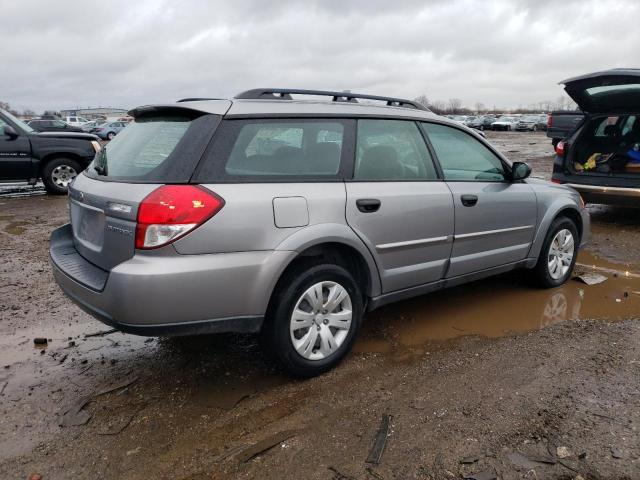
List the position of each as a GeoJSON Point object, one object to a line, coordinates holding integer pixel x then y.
{"type": "Point", "coordinates": [62, 175]}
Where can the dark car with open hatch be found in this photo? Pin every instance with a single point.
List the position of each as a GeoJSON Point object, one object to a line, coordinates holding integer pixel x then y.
{"type": "Point", "coordinates": [601, 157]}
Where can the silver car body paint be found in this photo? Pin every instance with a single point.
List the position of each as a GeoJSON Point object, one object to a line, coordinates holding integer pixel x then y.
{"type": "Point", "coordinates": [221, 276]}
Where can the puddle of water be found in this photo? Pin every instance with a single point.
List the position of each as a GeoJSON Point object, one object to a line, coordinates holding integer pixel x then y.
{"type": "Point", "coordinates": [19, 347]}
{"type": "Point", "coordinates": [500, 306]}
{"type": "Point", "coordinates": [16, 228]}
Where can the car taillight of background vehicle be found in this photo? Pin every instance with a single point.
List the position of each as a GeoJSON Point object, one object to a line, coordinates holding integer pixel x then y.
{"type": "Point", "coordinates": [550, 121]}
{"type": "Point", "coordinates": [560, 148]}
{"type": "Point", "coordinates": [172, 211]}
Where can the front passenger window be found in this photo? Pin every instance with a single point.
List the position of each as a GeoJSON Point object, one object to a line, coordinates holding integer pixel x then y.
{"type": "Point", "coordinates": [462, 157]}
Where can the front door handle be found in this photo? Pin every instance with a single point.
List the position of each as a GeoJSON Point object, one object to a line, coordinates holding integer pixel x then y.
{"type": "Point", "coordinates": [368, 205]}
{"type": "Point", "coordinates": [469, 200]}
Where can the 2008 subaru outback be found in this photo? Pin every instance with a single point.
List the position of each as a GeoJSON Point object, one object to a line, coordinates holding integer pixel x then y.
{"type": "Point", "coordinates": [293, 218]}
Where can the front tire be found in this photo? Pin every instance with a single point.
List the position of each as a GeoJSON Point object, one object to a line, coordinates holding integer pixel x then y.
{"type": "Point", "coordinates": [58, 174]}
{"type": "Point", "coordinates": [558, 254]}
{"type": "Point", "coordinates": [313, 319]}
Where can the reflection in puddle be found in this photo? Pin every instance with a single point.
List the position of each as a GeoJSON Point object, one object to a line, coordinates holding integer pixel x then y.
{"type": "Point", "coordinates": [499, 306]}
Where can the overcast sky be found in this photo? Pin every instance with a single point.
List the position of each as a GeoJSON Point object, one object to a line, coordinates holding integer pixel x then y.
{"type": "Point", "coordinates": [62, 54]}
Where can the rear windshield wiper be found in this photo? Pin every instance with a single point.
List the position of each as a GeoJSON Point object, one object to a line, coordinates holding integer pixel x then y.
{"type": "Point", "coordinates": [100, 163]}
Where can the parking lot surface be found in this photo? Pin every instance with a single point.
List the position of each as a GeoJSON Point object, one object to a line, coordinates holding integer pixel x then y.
{"type": "Point", "coordinates": [495, 377]}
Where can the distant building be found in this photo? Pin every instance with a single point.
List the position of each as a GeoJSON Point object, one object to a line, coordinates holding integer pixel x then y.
{"type": "Point", "coordinates": [94, 113]}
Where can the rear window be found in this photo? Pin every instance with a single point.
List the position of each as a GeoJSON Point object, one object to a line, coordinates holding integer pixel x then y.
{"type": "Point", "coordinates": [607, 89]}
{"type": "Point", "coordinates": [274, 149]}
{"type": "Point", "coordinates": [158, 148]}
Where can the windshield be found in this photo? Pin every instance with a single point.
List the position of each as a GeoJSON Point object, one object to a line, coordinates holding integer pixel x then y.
{"type": "Point", "coordinates": [505, 119]}
{"type": "Point", "coordinates": [18, 122]}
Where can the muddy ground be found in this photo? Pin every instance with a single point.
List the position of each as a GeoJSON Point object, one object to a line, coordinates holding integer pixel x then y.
{"type": "Point", "coordinates": [493, 377]}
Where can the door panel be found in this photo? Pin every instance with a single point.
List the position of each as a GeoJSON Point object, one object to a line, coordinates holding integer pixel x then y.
{"type": "Point", "coordinates": [496, 230]}
{"type": "Point", "coordinates": [411, 232]}
{"type": "Point", "coordinates": [494, 218]}
{"type": "Point", "coordinates": [15, 157]}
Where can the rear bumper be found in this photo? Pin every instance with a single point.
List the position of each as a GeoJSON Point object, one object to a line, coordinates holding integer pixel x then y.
{"type": "Point", "coordinates": [171, 295]}
{"type": "Point", "coordinates": [625, 196]}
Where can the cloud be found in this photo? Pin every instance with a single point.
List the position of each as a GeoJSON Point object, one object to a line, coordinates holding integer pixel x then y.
{"type": "Point", "coordinates": [122, 53]}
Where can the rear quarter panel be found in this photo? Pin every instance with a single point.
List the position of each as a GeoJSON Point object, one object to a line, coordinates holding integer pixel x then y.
{"type": "Point", "coordinates": [247, 220]}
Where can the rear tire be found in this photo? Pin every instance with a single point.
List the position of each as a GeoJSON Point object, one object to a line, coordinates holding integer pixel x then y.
{"type": "Point", "coordinates": [111, 135]}
{"type": "Point", "coordinates": [58, 173]}
{"type": "Point", "coordinates": [558, 254]}
{"type": "Point", "coordinates": [308, 335]}
{"type": "Point", "coordinates": [535, 128]}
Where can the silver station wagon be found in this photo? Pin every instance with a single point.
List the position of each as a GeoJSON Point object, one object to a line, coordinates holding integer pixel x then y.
{"type": "Point", "coordinates": [293, 218]}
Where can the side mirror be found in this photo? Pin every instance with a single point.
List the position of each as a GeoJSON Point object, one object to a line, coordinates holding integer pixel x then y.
{"type": "Point", "coordinates": [10, 132]}
{"type": "Point", "coordinates": [520, 171]}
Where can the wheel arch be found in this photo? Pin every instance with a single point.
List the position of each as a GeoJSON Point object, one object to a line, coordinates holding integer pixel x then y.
{"type": "Point", "coordinates": [560, 208]}
{"type": "Point", "coordinates": [55, 155]}
{"type": "Point", "coordinates": [333, 243]}
{"type": "Point", "coordinates": [573, 215]}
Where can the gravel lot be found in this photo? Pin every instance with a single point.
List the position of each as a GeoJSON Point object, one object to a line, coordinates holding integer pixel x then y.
{"type": "Point", "coordinates": [493, 377]}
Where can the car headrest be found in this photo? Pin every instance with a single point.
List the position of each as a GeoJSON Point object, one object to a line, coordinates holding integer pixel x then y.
{"type": "Point", "coordinates": [380, 162]}
{"type": "Point", "coordinates": [324, 157]}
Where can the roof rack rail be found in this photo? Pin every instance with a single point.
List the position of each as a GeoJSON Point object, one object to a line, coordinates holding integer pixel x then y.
{"type": "Point", "coordinates": [285, 94]}
{"type": "Point", "coordinates": [196, 99]}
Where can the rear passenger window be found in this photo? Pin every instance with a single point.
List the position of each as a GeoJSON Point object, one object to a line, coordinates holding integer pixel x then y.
{"type": "Point", "coordinates": [283, 148]}
{"type": "Point", "coordinates": [462, 157]}
{"type": "Point", "coordinates": [392, 150]}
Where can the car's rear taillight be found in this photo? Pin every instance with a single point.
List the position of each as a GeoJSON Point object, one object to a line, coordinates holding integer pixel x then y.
{"type": "Point", "coordinates": [560, 148]}
{"type": "Point", "coordinates": [550, 121]}
{"type": "Point", "coordinates": [171, 211]}
{"type": "Point", "coordinates": [555, 180]}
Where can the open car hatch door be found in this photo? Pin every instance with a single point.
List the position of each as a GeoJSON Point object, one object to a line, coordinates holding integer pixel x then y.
{"type": "Point", "coordinates": [610, 91]}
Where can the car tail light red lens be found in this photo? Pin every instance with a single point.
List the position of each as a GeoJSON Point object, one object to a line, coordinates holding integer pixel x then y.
{"type": "Point", "coordinates": [555, 180]}
{"type": "Point", "coordinates": [172, 211]}
{"type": "Point", "coordinates": [550, 121]}
{"type": "Point", "coordinates": [560, 148]}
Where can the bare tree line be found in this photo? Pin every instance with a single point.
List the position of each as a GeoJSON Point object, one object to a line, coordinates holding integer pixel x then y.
{"type": "Point", "coordinates": [454, 106]}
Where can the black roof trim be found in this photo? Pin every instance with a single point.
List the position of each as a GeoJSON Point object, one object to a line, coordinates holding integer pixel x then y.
{"type": "Point", "coordinates": [196, 99]}
{"type": "Point", "coordinates": [285, 94]}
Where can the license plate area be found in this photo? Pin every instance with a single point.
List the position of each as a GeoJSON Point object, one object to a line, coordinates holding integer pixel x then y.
{"type": "Point", "coordinates": [88, 225]}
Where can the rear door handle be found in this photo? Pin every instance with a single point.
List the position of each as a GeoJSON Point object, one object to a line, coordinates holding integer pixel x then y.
{"type": "Point", "coordinates": [469, 200]}
{"type": "Point", "coordinates": [368, 205]}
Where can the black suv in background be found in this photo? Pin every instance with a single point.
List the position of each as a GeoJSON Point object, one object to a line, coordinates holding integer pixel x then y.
{"type": "Point", "coordinates": [56, 157]}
